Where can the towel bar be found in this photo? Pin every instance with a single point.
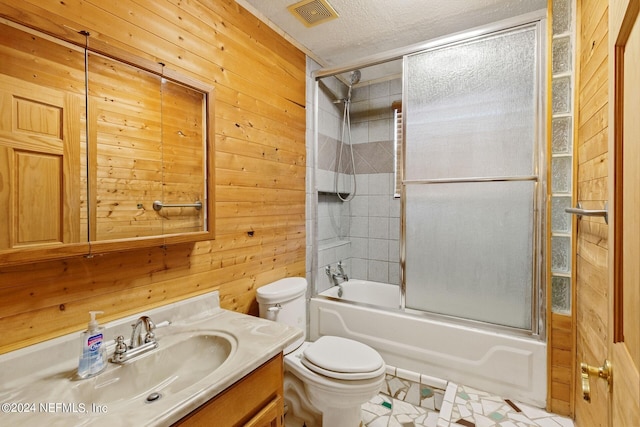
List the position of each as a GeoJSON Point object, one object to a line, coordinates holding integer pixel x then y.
{"type": "Point", "coordinates": [589, 212]}
{"type": "Point", "coordinates": [157, 205]}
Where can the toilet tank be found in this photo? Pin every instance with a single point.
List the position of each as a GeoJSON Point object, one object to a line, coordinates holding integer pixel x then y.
{"type": "Point", "coordinates": [284, 301]}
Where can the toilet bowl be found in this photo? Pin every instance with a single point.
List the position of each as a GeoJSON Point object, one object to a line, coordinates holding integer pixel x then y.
{"type": "Point", "coordinates": [332, 376]}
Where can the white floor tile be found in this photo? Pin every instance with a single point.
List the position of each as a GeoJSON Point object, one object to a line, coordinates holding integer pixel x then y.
{"type": "Point", "coordinates": [546, 422]}
{"type": "Point", "coordinates": [564, 422]}
{"type": "Point", "coordinates": [403, 414]}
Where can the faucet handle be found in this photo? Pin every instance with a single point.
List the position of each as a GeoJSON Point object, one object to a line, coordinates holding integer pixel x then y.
{"type": "Point", "coordinates": [120, 350]}
{"type": "Point", "coordinates": [162, 324]}
{"type": "Point", "coordinates": [121, 347]}
{"type": "Point", "coordinates": [341, 270]}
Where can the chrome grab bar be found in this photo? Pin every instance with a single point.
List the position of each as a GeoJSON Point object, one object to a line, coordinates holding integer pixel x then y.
{"type": "Point", "coordinates": [589, 212]}
{"type": "Point", "coordinates": [157, 205]}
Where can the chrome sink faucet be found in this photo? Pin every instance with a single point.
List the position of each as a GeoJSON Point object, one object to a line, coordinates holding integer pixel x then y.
{"type": "Point", "coordinates": [137, 338]}
{"type": "Point", "coordinates": [139, 344]}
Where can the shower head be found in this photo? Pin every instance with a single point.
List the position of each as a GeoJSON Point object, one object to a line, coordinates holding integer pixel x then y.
{"type": "Point", "coordinates": [355, 76]}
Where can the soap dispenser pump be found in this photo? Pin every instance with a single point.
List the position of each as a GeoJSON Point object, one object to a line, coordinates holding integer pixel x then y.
{"type": "Point", "coordinates": [93, 356]}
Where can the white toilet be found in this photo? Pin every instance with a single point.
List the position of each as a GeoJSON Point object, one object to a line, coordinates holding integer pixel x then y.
{"type": "Point", "coordinates": [329, 378]}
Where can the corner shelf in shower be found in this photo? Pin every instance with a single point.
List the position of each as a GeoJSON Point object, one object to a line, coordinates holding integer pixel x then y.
{"type": "Point", "coordinates": [333, 193]}
{"type": "Point", "coordinates": [333, 244]}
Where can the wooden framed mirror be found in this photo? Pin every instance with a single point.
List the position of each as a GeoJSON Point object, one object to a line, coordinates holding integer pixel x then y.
{"type": "Point", "coordinates": [100, 151]}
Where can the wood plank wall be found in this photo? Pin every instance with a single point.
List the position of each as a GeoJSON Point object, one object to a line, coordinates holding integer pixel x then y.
{"type": "Point", "coordinates": [590, 295]}
{"type": "Point", "coordinates": [589, 319]}
{"type": "Point", "coordinates": [259, 80]}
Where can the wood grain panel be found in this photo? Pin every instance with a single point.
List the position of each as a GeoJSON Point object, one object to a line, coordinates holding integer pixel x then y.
{"type": "Point", "coordinates": [591, 293]}
{"type": "Point", "coordinates": [561, 361]}
{"type": "Point", "coordinates": [259, 80]}
{"type": "Point", "coordinates": [38, 199]}
{"type": "Point", "coordinates": [40, 127]}
{"type": "Point", "coordinates": [6, 166]}
{"type": "Point", "coordinates": [250, 402]}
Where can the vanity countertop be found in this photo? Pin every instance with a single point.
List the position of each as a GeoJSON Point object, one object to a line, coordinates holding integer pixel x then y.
{"type": "Point", "coordinates": [38, 384]}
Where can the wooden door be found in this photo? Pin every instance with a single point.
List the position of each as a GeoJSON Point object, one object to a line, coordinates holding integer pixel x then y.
{"type": "Point", "coordinates": [608, 255]}
{"type": "Point", "coordinates": [39, 165]}
{"type": "Point", "coordinates": [624, 290]}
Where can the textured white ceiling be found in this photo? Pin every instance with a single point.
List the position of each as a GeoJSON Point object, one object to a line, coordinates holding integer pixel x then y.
{"type": "Point", "coordinates": [370, 27]}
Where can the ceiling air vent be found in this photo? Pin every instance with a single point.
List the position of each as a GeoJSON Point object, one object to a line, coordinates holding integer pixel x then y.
{"type": "Point", "coordinates": [313, 12]}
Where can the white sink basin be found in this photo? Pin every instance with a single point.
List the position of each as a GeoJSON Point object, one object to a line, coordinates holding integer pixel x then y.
{"type": "Point", "coordinates": [180, 361]}
{"type": "Point", "coordinates": [203, 351]}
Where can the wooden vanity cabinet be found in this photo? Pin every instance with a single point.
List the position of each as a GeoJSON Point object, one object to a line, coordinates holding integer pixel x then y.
{"type": "Point", "coordinates": [254, 401]}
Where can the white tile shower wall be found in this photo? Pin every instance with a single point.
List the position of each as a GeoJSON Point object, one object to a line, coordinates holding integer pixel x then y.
{"type": "Point", "coordinates": [370, 222]}
{"type": "Point", "coordinates": [374, 218]}
{"type": "Point", "coordinates": [374, 215]}
{"type": "Point", "coordinates": [329, 254]}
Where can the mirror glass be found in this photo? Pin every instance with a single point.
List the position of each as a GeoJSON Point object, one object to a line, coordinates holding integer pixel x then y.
{"type": "Point", "coordinates": [125, 150]}
{"type": "Point", "coordinates": [183, 158]}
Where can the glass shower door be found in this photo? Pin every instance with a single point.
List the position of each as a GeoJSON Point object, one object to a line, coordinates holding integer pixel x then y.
{"type": "Point", "coordinates": [471, 178]}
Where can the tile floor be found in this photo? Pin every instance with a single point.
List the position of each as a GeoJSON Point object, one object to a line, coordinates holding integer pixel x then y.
{"type": "Point", "coordinates": [462, 407]}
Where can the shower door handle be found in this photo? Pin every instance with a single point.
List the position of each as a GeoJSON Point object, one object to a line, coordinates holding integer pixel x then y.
{"type": "Point", "coordinates": [605, 371]}
{"type": "Point", "coordinates": [589, 212]}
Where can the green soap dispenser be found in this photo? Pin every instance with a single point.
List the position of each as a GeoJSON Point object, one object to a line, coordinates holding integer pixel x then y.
{"type": "Point", "coordinates": [93, 356]}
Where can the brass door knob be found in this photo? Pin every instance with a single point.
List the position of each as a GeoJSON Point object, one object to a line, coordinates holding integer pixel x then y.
{"type": "Point", "coordinates": [604, 372]}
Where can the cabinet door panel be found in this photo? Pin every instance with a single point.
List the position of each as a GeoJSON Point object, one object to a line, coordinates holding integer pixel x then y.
{"type": "Point", "coordinates": [270, 416]}
{"type": "Point", "coordinates": [254, 401]}
{"type": "Point", "coordinates": [38, 196]}
{"type": "Point", "coordinates": [40, 164]}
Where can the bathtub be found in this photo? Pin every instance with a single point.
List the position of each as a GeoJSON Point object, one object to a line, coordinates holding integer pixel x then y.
{"type": "Point", "coordinates": [510, 366]}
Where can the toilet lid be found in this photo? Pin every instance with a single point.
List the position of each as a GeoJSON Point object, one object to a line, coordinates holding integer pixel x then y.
{"type": "Point", "coordinates": [342, 358]}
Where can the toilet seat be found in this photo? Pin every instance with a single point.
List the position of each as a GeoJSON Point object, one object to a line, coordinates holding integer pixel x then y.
{"type": "Point", "coordinates": [342, 359]}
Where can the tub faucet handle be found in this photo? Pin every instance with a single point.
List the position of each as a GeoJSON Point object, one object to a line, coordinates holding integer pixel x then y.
{"type": "Point", "coordinates": [341, 270]}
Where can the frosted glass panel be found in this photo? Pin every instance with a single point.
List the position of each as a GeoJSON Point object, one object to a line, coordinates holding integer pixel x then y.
{"type": "Point", "coordinates": [561, 295]}
{"type": "Point", "coordinates": [560, 220]}
{"type": "Point", "coordinates": [561, 60]}
{"type": "Point", "coordinates": [561, 95]}
{"type": "Point", "coordinates": [561, 16]}
{"type": "Point", "coordinates": [561, 170]}
{"type": "Point", "coordinates": [561, 254]}
{"type": "Point", "coordinates": [561, 135]}
{"type": "Point", "coordinates": [467, 102]}
{"type": "Point", "coordinates": [470, 249]}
